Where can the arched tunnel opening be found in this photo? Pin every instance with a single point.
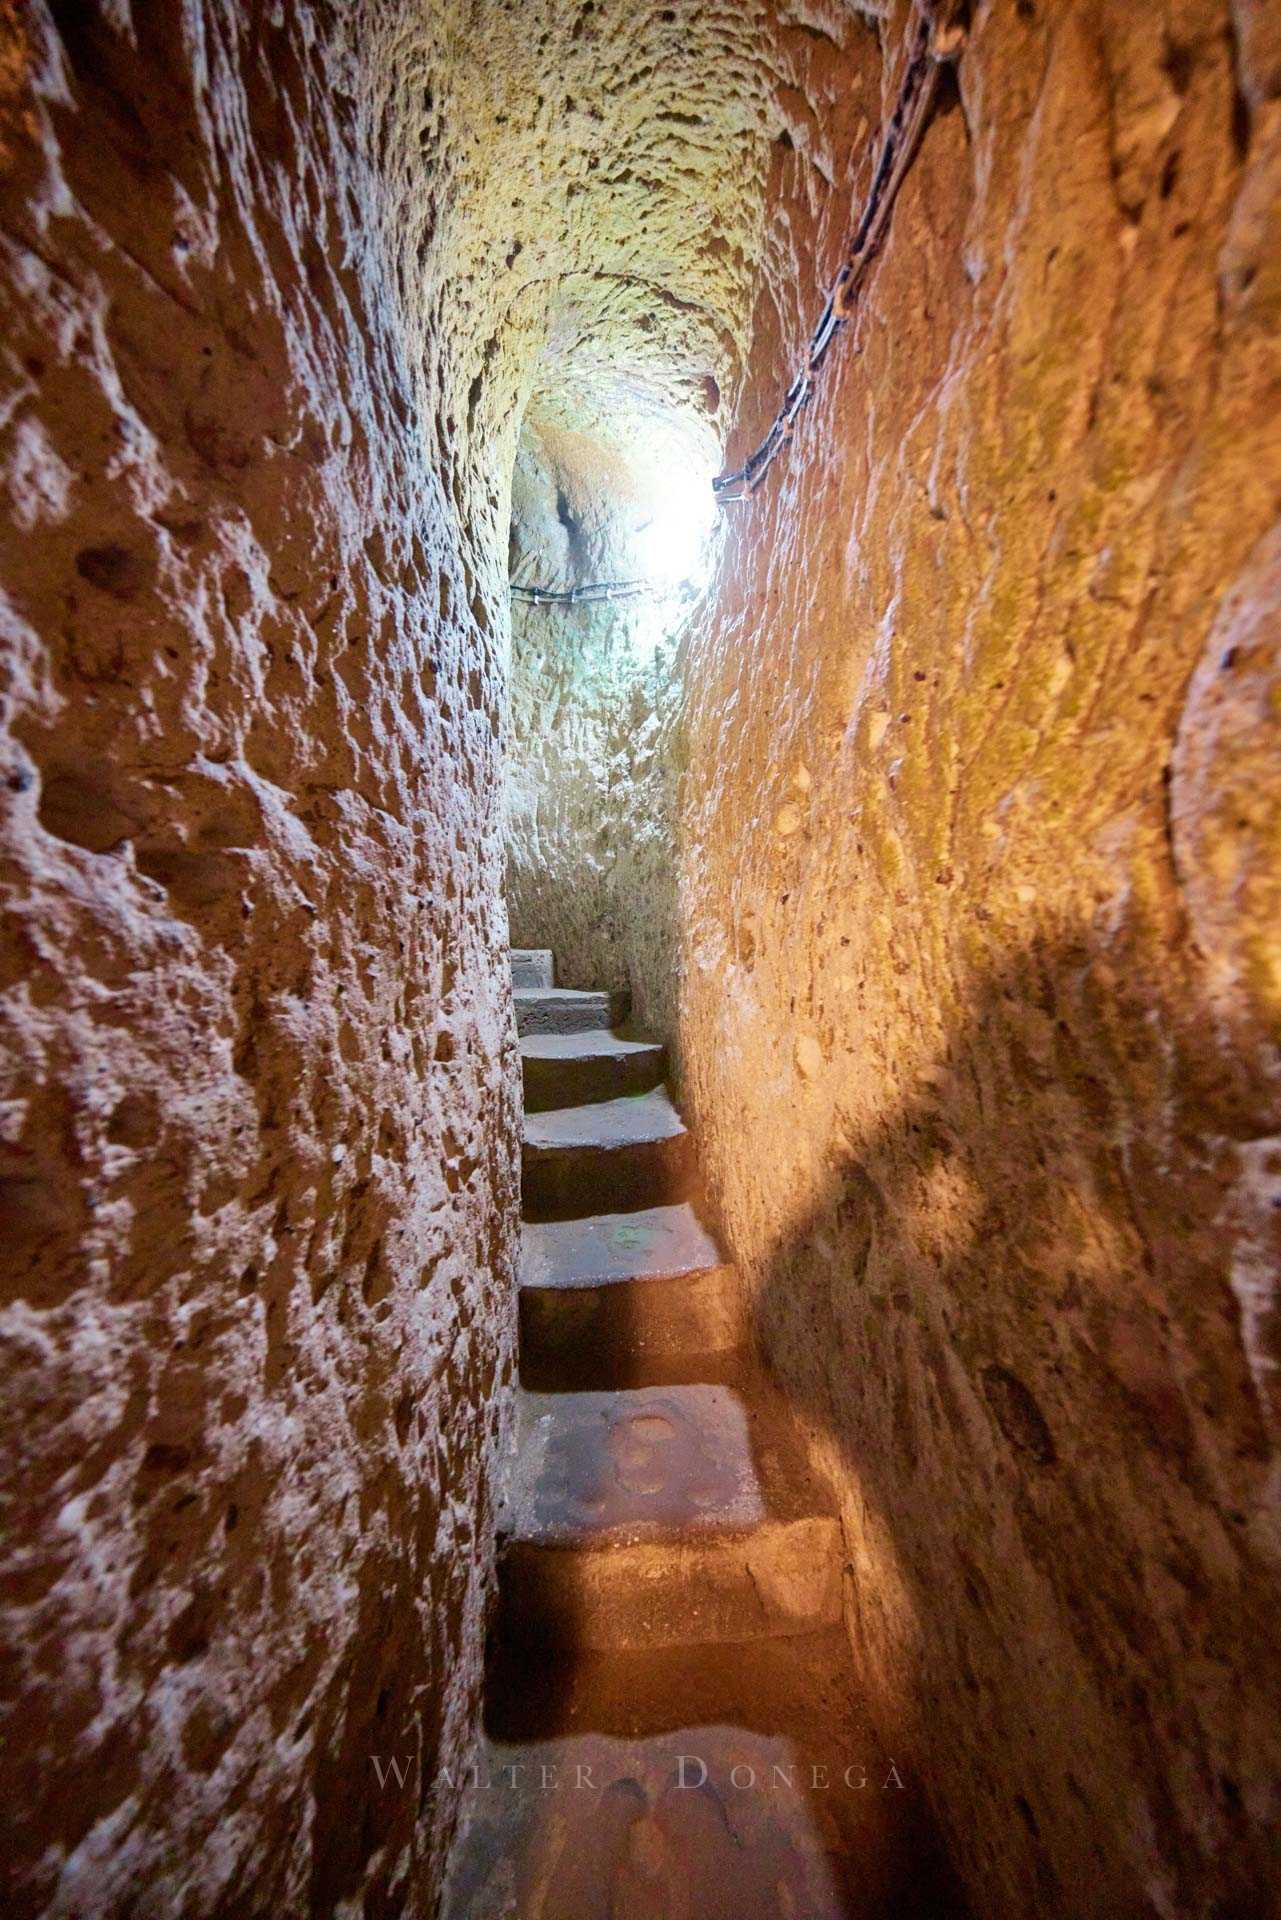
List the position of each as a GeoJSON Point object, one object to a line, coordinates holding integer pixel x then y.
{"type": "Point", "coordinates": [639, 1161]}
{"type": "Point", "coordinates": [614, 536]}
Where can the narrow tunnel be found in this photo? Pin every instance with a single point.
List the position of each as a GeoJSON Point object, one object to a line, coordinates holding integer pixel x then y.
{"type": "Point", "coordinates": [641, 1151]}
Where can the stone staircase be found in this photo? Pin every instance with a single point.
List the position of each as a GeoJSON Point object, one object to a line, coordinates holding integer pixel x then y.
{"type": "Point", "coordinates": [668, 1733]}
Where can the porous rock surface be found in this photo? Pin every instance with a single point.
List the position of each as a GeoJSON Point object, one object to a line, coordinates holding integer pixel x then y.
{"type": "Point", "coordinates": [963, 794]}
{"type": "Point", "coordinates": [258, 1146]}
{"type": "Point", "coordinates": [978, 949]}
{"type": "Point", "coordinates": [969, 953]}
{"type": "Point", "coordinates": [279, 284]}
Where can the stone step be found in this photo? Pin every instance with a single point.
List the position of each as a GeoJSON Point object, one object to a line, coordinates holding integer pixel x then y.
{"type": "Point", "coordinates": [622, 1299]}
{"type": "Point", "coordinates": [663, 1516]}
{"type": "Point", "coordinates": [724, 1783]}
{"type": "Point", "coordinates": [608, 1157]}
{"type": "Point", "coordinates": [567, 1069]}
{"type": "Point", "coordinates": [533, 967]}
{"type": "Point", "coordinates": [563, 1010]}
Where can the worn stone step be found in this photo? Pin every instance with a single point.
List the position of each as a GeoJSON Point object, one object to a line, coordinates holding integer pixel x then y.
{"type": "Point", "coordinates": [663, 1516]}
{"type": "Point", "coordinates": [533, 967]}
{"type": "Point", "coordinates": [567, 1069]}
{"type": "Point", "coordinates": [611, 1156]}
{"type": "Point", "coordinates": [622, 1299]}
{"type": "Point", "coordinates": [564, 1010]}
{"type": "Point", "coordinates": [726, 1783]}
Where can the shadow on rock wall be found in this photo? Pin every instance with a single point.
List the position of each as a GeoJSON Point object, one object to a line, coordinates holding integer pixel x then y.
{"type": "Point", "coordinates": [1015, 1328]}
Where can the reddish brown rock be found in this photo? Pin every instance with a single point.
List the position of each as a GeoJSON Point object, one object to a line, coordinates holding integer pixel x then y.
{"type": "Point", "coordinates": [279, 286]}
{"type": "Point", "coordinates": [1001, 635]}
{"type": "Point", "coordinates": [942, 847]}
{"type": "Point", "coordinates": [259, 1161]}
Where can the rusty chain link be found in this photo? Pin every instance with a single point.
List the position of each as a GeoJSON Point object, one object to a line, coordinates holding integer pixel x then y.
{"type": "Point", "coordinates": [937, 42]}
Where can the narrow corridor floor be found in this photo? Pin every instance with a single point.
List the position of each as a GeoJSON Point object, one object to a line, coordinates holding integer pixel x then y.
{"type": "Point", "coordinates": [669, 1729]}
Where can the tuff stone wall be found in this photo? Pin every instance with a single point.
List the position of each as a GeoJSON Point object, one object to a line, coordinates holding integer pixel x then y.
{"type": "Point", "coordinates": [979, 918]}
{"type": "Point", "coordinates": [280, 287]}
{"type": "Point", "coordinates": [964, 793]}
{"type": "Point", "coordinates": [258, 1116]}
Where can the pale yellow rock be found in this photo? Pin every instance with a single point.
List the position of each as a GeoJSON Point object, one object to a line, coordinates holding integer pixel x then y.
{"type": "Point", "coordinates": [809, 1057]}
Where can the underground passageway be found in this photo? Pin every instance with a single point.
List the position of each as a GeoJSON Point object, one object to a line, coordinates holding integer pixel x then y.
{"type": "Point", "coordinates": [641, 1151]}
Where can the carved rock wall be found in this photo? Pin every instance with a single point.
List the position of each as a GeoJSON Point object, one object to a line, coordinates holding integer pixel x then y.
{"type": "Point", "coordinates": [980, 981]}
{"type": "Point", "coordinates": [280, 285]}
{"type": "Point", "coordinates": [258, 1120]}
{"type": "Point", "coordinates": [945, 847]}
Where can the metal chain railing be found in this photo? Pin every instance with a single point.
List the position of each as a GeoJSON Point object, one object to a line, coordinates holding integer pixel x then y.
{"type": "Point", "coordinates": [594, 592]}
{"type": "Point", "coordinates": [591, 593]}
{"type": "Point", "coordinates": [937, 41]}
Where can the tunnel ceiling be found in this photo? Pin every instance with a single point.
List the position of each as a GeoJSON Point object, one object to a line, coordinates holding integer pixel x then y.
{"type": "Point", "coordinates": [613, 157]}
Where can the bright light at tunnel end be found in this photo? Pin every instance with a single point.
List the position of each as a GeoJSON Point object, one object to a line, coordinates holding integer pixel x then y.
{"type": "Point", "coordinates": [672, 542]}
